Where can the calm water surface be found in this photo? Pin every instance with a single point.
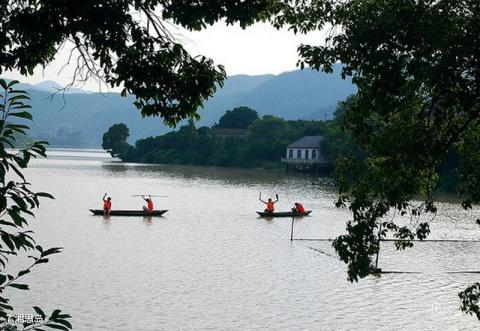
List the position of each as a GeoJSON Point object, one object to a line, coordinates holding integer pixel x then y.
{"type": "Point", "coordinates": [211, 263]}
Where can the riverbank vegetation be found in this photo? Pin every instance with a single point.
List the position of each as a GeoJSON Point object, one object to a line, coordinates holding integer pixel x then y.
{"type": "Point", "coordinates": [240, 139]}
{"type": "Point", "coordinates": [243, 139]}
{"type": "Point", "coordinates": [17, 204]}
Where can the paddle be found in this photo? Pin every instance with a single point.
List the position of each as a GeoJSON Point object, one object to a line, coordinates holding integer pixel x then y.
{"type": "Point", "coordinates": [260, 197]}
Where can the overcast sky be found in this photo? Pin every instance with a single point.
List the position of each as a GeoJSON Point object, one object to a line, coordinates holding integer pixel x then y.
{"type": "Point", "coordinates": [259, 49]}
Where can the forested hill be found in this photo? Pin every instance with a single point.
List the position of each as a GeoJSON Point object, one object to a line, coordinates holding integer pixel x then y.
{"type": "Point", "coordinates": [79, 119]}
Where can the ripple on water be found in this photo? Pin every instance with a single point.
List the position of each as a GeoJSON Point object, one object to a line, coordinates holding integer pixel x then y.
{"type": "Point", "coordinates": [211, 263]}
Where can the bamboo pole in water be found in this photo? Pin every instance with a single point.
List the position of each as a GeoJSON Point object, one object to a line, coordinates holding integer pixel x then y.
{"type": "Point", "coordinates": [291, 231]}
{"type": "Point", "coordinates": [378, 252]}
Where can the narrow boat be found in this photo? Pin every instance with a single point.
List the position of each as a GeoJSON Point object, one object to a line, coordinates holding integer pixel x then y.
{"type": "Point", "coordinates": [129, 212]}
{"type": "Point", "coordinates": [283, 214]}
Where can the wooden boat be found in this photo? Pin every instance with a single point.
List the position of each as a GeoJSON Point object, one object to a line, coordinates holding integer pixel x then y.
{"type": "Point", "coordinates": [129, 212]}
{"type": "Point", "coordinates": [283, 214]}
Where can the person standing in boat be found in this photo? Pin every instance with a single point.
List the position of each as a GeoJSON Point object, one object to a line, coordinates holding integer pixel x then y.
{"type": "Point", "coordinates": [270, 204]}
{"type": "Point", "coordinates": [149, 207]}
{"type": "Point", "coordinates": [107, 205]}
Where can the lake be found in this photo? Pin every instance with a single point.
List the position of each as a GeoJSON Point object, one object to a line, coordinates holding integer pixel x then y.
{"type": "Point", "coordinates": [211, 263]}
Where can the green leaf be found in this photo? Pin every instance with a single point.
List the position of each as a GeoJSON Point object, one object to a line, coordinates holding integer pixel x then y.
{"type": "Point", "coordinates": [12, 83]}
{"type": "Point", "coordinates": [39, 311]}
{"type": "Point", "coordinates": [19, 91]}
{"type": "Point", "coordinates": [53, 250]}
{"type": "Point", "coordinates": [55, 313]}
{"type": "Point", "coordinates": [3, 279]}
{"type": "Point", "coordinates": [39, 261]}
{"type": "Point", "coordinates": [6, 307]}
{"type": "Point", "coordinates": [64, 322]}
{"type": "Point", "coordinates": [22, 114]}
{"type": "Point", "coordinates": [6, 239]}
{"type": "Point", "coordinates": [17, 171]}
{"type": "Point", "coordinates": [19, 286]}
{"type": "Point", "coordinates": [23, 272]}
{"type": "Point", "coordinates": [45, 195]}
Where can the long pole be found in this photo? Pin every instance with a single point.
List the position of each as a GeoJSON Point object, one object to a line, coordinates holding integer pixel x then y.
{"type": "Point", "coordinates": [291, 231]}
{"type": "Point", "coordinates": [379, 239]}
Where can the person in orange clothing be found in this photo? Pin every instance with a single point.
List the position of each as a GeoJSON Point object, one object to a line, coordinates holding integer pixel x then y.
{"type": "Point", "coordinates": [149, 207]}
{"type": "Point", "coordinates": [107, 205]}
{"type": "Point", "coordinates": [298, 208]}
{"type": "Point", "coordinates": [270, 204]}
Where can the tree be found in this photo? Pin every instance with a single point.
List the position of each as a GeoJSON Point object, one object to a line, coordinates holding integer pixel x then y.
{"type": "Point", "coordinates": [114, 141]}
{"type": "Point", "coordinates": [263, 147]}
{"type": "Point", "coordinates": [237, 118]}
{"type": "Point", "coordinates": [416, 67]}
{"type": "Point", "coordinates": [125, 43]}
{"type": "Point", "coordinates": [337, 144]}
{"type": "Point", "coordinates": [17, 202]}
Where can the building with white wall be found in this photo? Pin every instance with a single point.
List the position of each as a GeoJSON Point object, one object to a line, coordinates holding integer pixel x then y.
{"type": "Point", "coordinates": [305, 153]}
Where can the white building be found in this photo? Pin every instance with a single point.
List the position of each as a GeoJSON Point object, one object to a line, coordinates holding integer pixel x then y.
{"type": "Point", "coordinates": [305, 153]}
{"type": "Point", "coordinates": [306, 148]}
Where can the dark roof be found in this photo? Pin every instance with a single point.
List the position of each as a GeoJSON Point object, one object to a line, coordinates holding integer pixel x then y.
{"type": "Point", "coordinates": [307, 142]}
{"type": "Point", "coordinates": [229, 131]}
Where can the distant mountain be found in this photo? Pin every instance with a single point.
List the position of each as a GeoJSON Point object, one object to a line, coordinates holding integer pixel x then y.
{"type": "Point", "coordinates": [242, 83]}
{"type": "Point", "coordinates": [297, 94]}
{"type": "Point", "coordinates": [52, 87]}
{"type": "Point", "coordinates": [292, 95]}
{"type": "Point", "coordinates": [79, 118]}
{"type": "Point", "coordinates": [87, 117]}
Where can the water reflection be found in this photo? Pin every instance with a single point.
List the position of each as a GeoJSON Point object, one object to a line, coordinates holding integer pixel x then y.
{"type": "Point", "coordinates": [228, 175]}
{"type": "Point", "coordinates": [147, 220]}
{"type": "Point", "coordinates": [212, 264]}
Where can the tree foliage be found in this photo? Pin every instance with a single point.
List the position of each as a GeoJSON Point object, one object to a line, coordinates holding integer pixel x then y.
{"type": "Point", "coordinates": [124, 43]}
{"type": "Point", "coordinates": [416, 67]}
{"type": "Point", "coordinates": [263, 145]}
{"type": "Point", "coordinates": [237, 118]}
{"type": "Point", "coordinates": [114, 141]}
{"type": "Point", "coordinates": [17, 202]}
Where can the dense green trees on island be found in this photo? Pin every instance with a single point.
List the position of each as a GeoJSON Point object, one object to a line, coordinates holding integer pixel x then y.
{"type": "Point", "coordinates": [261, 144]}
{"type": "Point", "coordinates": [238, 118]}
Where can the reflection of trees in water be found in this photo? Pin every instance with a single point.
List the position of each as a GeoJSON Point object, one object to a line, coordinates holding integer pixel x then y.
{"type": "Point", "coordinates": [226, 175]}
{"type": "Point", "coordinates": [115, 167]}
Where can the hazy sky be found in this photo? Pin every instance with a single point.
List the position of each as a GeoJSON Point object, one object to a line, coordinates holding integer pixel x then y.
{"type": "Point", "coordinates": [259, 49]}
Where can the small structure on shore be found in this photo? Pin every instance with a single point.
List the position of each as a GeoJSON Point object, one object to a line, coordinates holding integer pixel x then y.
{"type": "Point", "coordinates": [225, 132]}
{"type": "Point", "coordinates": [305, 155]}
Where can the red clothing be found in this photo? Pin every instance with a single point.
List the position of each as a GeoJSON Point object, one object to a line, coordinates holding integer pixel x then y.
{"type": "Point", "coordinates": [300, 208]}
{"type": "Point", "coordinates": [107, 205]}
{"type": "Point", "coordinates": [270, 206]}
{"type": "Point", "coordinates": [150, 205]}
